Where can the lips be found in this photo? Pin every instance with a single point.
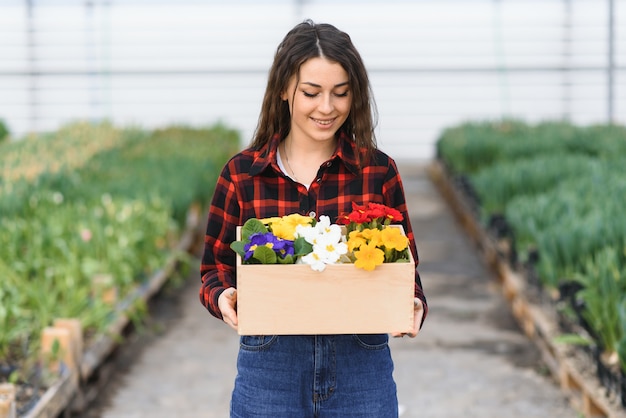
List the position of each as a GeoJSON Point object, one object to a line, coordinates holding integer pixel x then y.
{"type": "Point", "coordinates": [323, 122]}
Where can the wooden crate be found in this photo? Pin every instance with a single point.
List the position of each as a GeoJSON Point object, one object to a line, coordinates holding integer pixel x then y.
{"type": "Point", "coordinates": [342, 299]}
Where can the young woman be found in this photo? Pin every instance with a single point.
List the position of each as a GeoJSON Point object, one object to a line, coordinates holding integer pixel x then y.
{"type": "Point", "coordinates": [314, 153]}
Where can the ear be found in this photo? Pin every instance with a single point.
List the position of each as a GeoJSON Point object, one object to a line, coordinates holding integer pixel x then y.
{"type": "Point", "coordinates": [284, 96]}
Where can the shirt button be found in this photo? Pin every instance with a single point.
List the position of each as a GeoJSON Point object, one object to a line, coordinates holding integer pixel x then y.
{"type": "Point", "coordinates": [319, 179]}
{"type": "Point", "coordinates": [328, 164]}
{"type": "Point", "coordinates": [312, 214]}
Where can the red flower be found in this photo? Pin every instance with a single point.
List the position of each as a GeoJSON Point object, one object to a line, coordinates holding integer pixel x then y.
{"type": "Point", "coordinates": [376, 210]}
{"type": "Point", "coordinates": [373, 214]}
{"type": "Point", "coordinates": [356, 207]}
{"type": "Point", "coordinates": [359, 217]}
{"type": "Point", "coordinates": [393, 215]}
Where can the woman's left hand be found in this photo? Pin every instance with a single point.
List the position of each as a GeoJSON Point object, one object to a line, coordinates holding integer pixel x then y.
{"type": "Point", "coordinates": [418, 314]}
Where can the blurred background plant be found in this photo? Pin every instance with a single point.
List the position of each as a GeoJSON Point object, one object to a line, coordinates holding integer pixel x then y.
{"type": "Point", "coordinates": [561, 189]}
{"type": "Point", "coordinates": [4, 131]}
{"type": "Point", "coordinates": [93, 200]}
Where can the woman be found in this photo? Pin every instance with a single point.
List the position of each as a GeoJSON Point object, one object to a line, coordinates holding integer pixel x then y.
{"type": "Point", "coordinates": [314, 152]}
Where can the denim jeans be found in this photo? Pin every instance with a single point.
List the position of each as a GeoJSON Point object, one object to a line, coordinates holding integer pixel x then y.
{"type": "Point", "coordinates": [319, 376]}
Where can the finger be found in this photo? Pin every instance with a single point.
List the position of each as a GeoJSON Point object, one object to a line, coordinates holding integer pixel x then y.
{"type": "Point", "coordinates": [229, 315]}
{"type": "Point", "coordinates": [227, 303]}
{"type": "Point", "coordinates": [417, 318]}
{"type": "Point", "coordinates": [230, 321]}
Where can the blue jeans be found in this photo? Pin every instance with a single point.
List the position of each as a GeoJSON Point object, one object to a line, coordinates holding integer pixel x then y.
{"type": "Point", "coordinates": [319, 376]}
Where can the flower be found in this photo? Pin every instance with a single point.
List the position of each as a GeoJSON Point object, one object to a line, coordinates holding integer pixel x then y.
{"type": "Point", "coordinates": [315, 260]}
{"type": "Point", "coordinates": [356, 240]}
{"type": "Point", "coordinates": [370, 239]}
{"type": "Point", "coordinates": [394, 239]}
{"type": "Point", "coordinates": [327, 243]}
{"type": "Point", "coordinates": [363, 237]}
{"type": "Point", "coordinates": [371, 216]}
{"type": "Point", "coordinates": [285, 226]}
{"type": "Point", "coordinates": [369, 256]}
{"type": "Point", "coordinates": [85, 234]}
{"type": "Point", "coordinates": [266, 247]}
{"type": "Point", "coordinates": [263, 240]}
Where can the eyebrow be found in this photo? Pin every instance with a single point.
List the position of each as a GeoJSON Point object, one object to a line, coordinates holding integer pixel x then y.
{"type": "Point", "coordinates": [345, 83]}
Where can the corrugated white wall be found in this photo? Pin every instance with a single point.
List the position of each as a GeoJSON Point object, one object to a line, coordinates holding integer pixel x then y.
{"type": "Point", "coordinates": [431, 63]}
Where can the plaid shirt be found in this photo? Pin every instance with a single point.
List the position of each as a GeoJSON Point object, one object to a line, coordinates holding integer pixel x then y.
{"type": "Point", "coordinates": [252, 185]}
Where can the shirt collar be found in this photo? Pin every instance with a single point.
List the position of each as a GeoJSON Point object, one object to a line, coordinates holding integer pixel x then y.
{"type": "Point", "coordinates": [266, 155]}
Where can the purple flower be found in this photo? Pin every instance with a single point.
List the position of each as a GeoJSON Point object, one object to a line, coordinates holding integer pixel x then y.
{"type": "Point", "coordinates": [283, 247]}
{"type": "Point", "coordinates": [280, 246]}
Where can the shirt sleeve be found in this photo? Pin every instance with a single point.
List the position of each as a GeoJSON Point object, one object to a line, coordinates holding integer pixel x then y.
{"type": "Point", "coordinates": [217, 268]}
{"type": "Point", "coordinates": [395, 198]}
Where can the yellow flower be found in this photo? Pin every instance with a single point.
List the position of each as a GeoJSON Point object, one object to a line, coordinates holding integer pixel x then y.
{"type": "Point", "coordinates": [355, 240]}
{"type": "Point", "coordinates": [392, 238]}
{"type": "Point", "coordinates": [268, 221]}
{"type": "Point", "coordinates": [368, 257]}
{"type": "Point", "coordinates": [372, 236]}
{"type": "Point", "coordinates": [285, 227]}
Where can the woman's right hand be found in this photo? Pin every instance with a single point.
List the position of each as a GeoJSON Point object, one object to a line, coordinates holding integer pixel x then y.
{"type": "Point", "coordinates": [227, 302]}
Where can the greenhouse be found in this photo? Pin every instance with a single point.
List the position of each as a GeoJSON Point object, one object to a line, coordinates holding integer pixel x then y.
{"type": "Point", "coordinates": [122, 125]}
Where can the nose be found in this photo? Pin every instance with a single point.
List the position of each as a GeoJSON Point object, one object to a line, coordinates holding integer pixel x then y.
{"type": "Point", "coordinates": [326, 105]}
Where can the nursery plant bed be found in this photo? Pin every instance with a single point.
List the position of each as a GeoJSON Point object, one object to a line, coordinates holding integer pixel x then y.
{"type": "Point", "coordinates": [342, 299]}
{"type": "Point", "coordinates": [104, 344]}
{"type": "Point", "coordinates": [56, 399]}
{"type": "Point", "coordinates": [582, 386]}
{"type": "Point", "coordinates": [72, 391]}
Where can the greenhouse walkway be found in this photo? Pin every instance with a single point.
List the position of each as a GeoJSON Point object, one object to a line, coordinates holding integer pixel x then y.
{"type": "Point", "coordinates": [469, 360]}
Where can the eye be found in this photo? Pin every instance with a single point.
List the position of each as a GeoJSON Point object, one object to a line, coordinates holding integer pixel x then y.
{"type": "Point", "coordinates": [344, 94]}
{"type": "Point", "coordinates": [307, 94]}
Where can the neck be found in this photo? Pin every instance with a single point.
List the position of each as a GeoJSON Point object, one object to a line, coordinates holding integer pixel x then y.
{"type": "Point", "coordinates": [307, 150]}
{"type": "Point", "coordinates": [303, 162]}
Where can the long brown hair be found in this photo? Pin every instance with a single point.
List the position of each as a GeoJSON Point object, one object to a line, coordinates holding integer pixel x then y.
{"type": "Point", "coordinates": [310, 40]}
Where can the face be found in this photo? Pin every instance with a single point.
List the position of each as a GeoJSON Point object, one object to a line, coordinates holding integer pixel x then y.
{"type": "Point", "coordinates": [319, 101]}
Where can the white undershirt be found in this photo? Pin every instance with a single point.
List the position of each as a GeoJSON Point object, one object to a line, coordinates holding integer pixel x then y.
{"type": "Point", "coordinates": [279, 160]}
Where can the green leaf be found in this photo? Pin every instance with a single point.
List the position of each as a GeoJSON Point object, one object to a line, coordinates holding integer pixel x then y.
{"type": "Point", "coordinates": [265, 255]}
{"type": "Point", "coordinates": [571, 339]}
{"type": "Point", "coordinates": [302, 246]}
{"type": "Point", "coordinates": [238, 247]}
{"type": "Point", "coordinates": [621, 351]}
{"type": "Point", "coordinates": [14, 377]}
{"type": "Point", "coordinates": [56, 348]}
{"type": "Point", "coordinates": [289, 259]}
{"type": "Point", "coordinates": [252, 226]}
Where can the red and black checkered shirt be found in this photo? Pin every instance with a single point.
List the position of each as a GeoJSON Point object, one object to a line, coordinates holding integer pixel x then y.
{"type": "Point", "coordinates": [252, 185]}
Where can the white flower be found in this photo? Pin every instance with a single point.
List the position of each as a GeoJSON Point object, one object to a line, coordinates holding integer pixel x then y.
{"type": "Point", "coordinates": [314, 261]}
{"type": "Point", "coordinates": [332, 231]}
{"type": "Point", "coordinates": [323, 228]}
{"type": "Point", "coordinates": [329, 249]}
{"type": "Point", "coordinates": [308, 232]}
{"type": "Point", "coordinates": [57, 198]}
{"type": "Point", "coordinates": [327, 241]}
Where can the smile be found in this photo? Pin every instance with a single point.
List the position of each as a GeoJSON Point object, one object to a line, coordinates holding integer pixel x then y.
{"type": "Point", "coordinates": [323, 122]}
